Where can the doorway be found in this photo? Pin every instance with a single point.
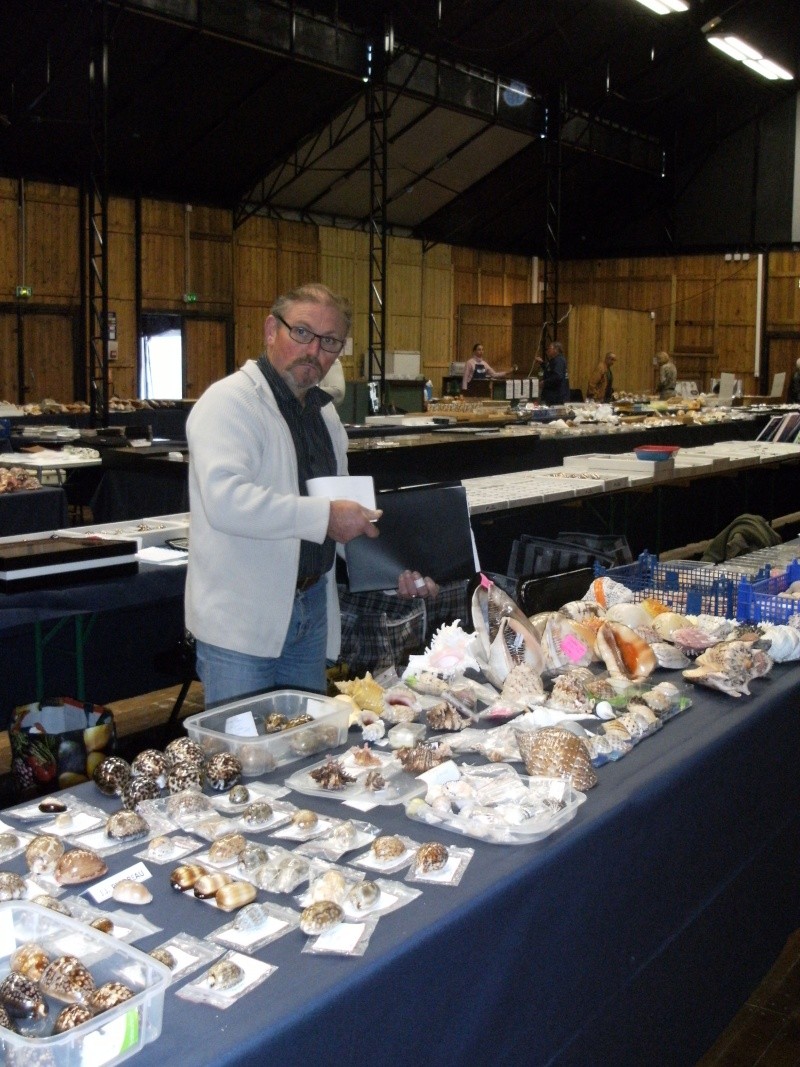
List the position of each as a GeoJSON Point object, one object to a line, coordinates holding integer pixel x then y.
{"type": "Point", "coordinates": [161, 374]}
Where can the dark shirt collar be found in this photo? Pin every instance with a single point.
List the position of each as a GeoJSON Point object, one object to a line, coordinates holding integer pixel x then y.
{"type": "Point", "coordinates": [315, 397]}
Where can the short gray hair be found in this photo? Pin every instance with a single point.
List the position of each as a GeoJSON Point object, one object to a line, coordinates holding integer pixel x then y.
{"type": "Point", "coordinates": [314, 293]}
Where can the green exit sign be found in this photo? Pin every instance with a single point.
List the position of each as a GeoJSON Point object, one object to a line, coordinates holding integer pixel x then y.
{"type": "Point", "coordinates": [24, 291]}
{"type": "Point", "coordinates": [190, 298]}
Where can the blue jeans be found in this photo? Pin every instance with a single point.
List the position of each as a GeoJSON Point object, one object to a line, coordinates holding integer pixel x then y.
{"type": "Point", "coordinates": [226, 674]}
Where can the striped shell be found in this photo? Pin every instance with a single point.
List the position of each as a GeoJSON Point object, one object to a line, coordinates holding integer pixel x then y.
{"type": "Point", "coordinates": [79, 865]}
{"type": "Point", "coordinates": [66, 978]}
{"type": "Point", "coordinates": [208, 886]}
{"type": "Point", "coordinates": [185, 876]}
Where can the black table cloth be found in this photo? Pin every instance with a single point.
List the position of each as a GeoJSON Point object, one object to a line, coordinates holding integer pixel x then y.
{"type": "Point", "coordinates": [32, 510]}
{"type": "Point", "coordinates": [631, 936]}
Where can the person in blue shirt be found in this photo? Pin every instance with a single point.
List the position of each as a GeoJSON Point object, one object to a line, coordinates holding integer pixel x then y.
{"type": "Point", "coordinates": [555, 382]}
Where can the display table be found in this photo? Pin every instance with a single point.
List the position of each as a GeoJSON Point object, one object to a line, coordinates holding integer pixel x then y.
{"type": "Point", "coordinates": [629, 937]}
{"type": "Point", "coordinates": [32, 510]}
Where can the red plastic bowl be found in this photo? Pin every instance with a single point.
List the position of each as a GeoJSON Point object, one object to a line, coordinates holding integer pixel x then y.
{"type": "Point", "coordinates": [656, 452]}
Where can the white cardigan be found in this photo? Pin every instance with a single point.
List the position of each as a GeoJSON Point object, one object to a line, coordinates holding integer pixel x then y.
{"type": "Point", "coordinates": [247, 519]}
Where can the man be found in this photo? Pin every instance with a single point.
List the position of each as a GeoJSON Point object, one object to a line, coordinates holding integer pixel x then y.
{"type": "Point", "coordinates": [261, 595]}
{"type": "Point", "coordinates": [667, 375]}
{"type": "Point", "coordinates": [601, 380]}
{"type": "Point", "coordinates": [794, 385]}
{"type": "Point", "coordinates": [554, 383]}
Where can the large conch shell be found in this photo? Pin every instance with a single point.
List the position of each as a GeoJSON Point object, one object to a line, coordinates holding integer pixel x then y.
{"type": "Point", "coordinates": [365, 692]}
{"type": "Point", "coordinates": [554, 752]}
{"type": "Point", "coordinates": [624, 652]}
{"type": "Point", "coordinates": [505, 637]}
{"type": "Point", "coordinates": [606, 592]}
{"type": "Point", "coordinates": [730, 666]}
{"type": "Point", "coordinates": [568, 643]}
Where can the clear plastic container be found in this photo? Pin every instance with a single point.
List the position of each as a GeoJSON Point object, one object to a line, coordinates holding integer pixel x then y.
{"type": "Point", "coordinates": [107, 1038]}
{"type": "Point", "coordinates": [239, 728]}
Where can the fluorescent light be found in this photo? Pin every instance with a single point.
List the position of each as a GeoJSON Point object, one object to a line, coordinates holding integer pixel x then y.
{"type": "Point", "coordinates": [744, 53]}
{"type": "Point", "coordinates": [665, 7]}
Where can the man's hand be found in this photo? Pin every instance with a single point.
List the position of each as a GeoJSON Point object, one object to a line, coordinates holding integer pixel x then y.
{"type": "Point", "coordinates": [411, 584]}
{"type": "Point", "coordinates": [348, 520]}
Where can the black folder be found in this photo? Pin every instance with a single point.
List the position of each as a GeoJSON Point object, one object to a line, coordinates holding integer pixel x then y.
{"type": "Point", "coordinates": [424, 528]}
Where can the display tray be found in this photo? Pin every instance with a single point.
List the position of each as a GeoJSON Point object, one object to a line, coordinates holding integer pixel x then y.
{"type": "Point", "coordinates": [110, 1036]}
{"type": "Point", "coordinates": [154, 530]}
{"type": "Point", "coordinates": [52, 560]}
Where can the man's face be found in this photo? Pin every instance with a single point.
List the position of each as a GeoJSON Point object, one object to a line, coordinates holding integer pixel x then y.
{"type": "Point", "coordinates": [303, 365]}
{"type": "Point", "coordinates": [551, 351]}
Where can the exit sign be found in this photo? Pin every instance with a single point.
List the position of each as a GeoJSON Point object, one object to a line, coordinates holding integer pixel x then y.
{"type": "Point", "coordinates": [190, 298]}
{"type": "Point", "coordinates": [24, 291]}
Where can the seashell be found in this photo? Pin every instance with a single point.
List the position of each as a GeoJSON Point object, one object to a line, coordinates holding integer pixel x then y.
{"type": "Point", "coordinates": [185, 876]}
{"type": "Point", "coordinates": [632, 615]}
{"type": "Point", "coordinates": [126, 825]}
{"type": "Point", "coordinates": [516, 642]}
{"type": "Point", "coordinates": [67, 979]}
{"type": "Point", "coordinates": [206, 886]}
{"type": "Point", "coordinates": [553, 752]}
{"type": "Point", "coordinates": [5, 1019]}
{"type": "Point", "coordinates": [523, 684]}
{"type": "Point", "coordinates": [431, 856]}
{"type": "Point", "coordinates": [305, 819]}
{"type": "Point", "coordinates": [108, 995]}
{"type": "Point", "coordinates": [307, 742]}
{"type": "Point", "coordinates": [571, 692]}
{"type": "Point", "coordinates": [578, 610]}
{"type": "Point", "coordinates": [343, 836]}
{"type": "Point", "coordinates": [372, 731]}
{"type": "Point", "coordinates": [281, 875]}
{"type": "Point", "coordinates": [255, 758]}
{"type": "Point", "coordinates": [364, 895]}
{"type": "Point", "coordinates": [240, 794]}
{"type": "Point", "coordinates": [79, 865]}
{"type": "Point", "coordinates": [252, 917]}
{"type": "Point", "coordinates": [164, 956]}
{"type": "Point", "coordinates": [8, 843]}
{"type": "Point", "coordinates": [140, 788]}
{"type": "Point", "coordinates": [64, 821]}
{"type": "Point", "coordinates": [662, 697]}
{"type": "Point", "coordinates": [606, 592]}
{"type": "Point", "coordinates": [252, 855]}
{"type": "Point", "coordinates": [70, 1017]}
{"type": "Point", "coordinates": [363, 756]}
{"type": "Point", "coordinates": [388, 847]}
{"type": "Point", "coordinates": [29, 959]}
{"type": "Point", "coordinates": [320, 917]}
{"type": "Point", "coordinates": [160, 848]}
{"type": "Point", "coordinates": [224, 975]}
{"type": "Point", "coordinates": [21, 997]}
{"type": "Point", "coordinates": [12, 886]}
{"type": "Point", "coordinates": [186, 775]}
{"type": "Point", "coordinates": [692, 639]}
{"type": "Point", "coordinates": [332, 775]}
{"type": "Point", "coordinates": [427, 682]}
{"type": "Point", "coordinates": [567, 643]}
{"type": "Point", "coordinates": [332, 885]}
{"type": "Point", "coordinates": [625, 653]}
{"type": "Point", "coordinates": [184, 750]}
{"type": "Point", "coordinates": [365, 692]}
{"type": "Point", "coordinates": [112, 775]}
{"type": "Point", "coordinates": [424, 755]}
{"type": "Point", "coordinates": [729, 666]}
{"type": "Point", "coordinates": [669, 656]}
{"type": "Point", "coordinates": [52, 807]}
{"type": "Point", "coordinates": [153, 764]}
{"type": "Point", "coordinates": [257, 813]}
{"type": "Point", "coordinates": [226, 848]}
{"type": "Point", "coordinates": [783, 643]}
{"type": "Point", "coordinates": [665, 623]}
{"type": "Point", "coordinates": [443, 716]}
{"type": "Point", "coordinates": [128, 891]}
{"type": "Point", "coordinates": [103, 924]}
{"type": "Point", "coordinates": [274, 723]}
{"type": "Point", "coordinates": [223, 770]}
{"type": "Point", "coordinates": [188, 805]}
{"type": "Point", "coordinates": [375, 781]}
{"type": "Point", "coordinates": [235, 895]}
{"type": "Point", "coordinates": [44, 900]}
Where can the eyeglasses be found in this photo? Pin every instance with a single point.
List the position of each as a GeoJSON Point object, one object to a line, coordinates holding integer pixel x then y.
{"type": "Point", "coordinates": [301, 335]}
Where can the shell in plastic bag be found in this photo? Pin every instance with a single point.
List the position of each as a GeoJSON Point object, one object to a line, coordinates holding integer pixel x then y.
{"type": "Point", "coordinates": [553, 752]}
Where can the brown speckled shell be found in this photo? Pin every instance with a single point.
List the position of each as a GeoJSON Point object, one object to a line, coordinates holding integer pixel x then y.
{"type": "Point", "coordinates": [554, 752]}
{"type": "Point", "coordinates": [184, 750]}
{"type": "Point", "coordinates": [226, 848]}
{"type": "Point", "coordinates": [70, 1017]}
{"type": "Point", "coordinates": [185, 775]}
{"type": "Point", "coordinates": [431, 856]}
{"type": "Point", "coordinates": [12, 886]}
{"type": "Point", "coordinates": [225, 975]}
{"type": "Point", "coordinates": [112, 775]}
{"type": "Point", "coordinates": [320, 916]}
{"type": "Point", "coordinates": [29, 959]}
{"type": "Point", "coordinates": [67, 979]}
{"type": "Point", "coordinates": [140, 788]}
{"type": "Point", "coordinates": [21, 997]}
{"type": "Point", "coordinates": [126, 825]}
{"type": "Point", "coordinates": [43, 853]}
{"type": "Point", "coordinates": [152, 763]}
{"type": "Point", "coordinates": [109, 995]}
{"type": "Point", "coordinates": [79, 865]}
{"type": "Point", "coordinates": [223, 770]}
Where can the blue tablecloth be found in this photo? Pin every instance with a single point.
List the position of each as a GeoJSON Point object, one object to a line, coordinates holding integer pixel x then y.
{"type": "Point", "coordinates": [629, 937]}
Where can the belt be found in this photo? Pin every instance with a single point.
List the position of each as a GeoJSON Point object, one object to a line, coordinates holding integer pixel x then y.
{"type": "Point", "coordinates": [306, 583]}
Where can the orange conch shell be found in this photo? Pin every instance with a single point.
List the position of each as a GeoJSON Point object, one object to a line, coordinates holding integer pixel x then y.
{"type": "Point", "coordinates": [624, 652]}
{"type": "Point", "coordinates": [606, 592]}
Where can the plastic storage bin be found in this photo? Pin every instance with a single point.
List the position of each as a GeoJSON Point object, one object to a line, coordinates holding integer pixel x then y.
{"type": "Point", "coordinates": [107, 1038]}
{"type": "Point", "coordinates": [685, 586]}
{"type": "Point", "coordinates": [239, 728]}
{"type": "Point", "coordinates": [763, 601]}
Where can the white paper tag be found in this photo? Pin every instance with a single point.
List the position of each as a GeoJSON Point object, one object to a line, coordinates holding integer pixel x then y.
{"type": "Point", "coordinates": [444, 874]}
{"type": "Point", "coordinates": [342, 938]}
{"type": "Point", "coordinates": [241, 725]}
{"type": "Point", "coordinates": [444, 772]}
{"type": "Point", "coordinates": [103, 890]}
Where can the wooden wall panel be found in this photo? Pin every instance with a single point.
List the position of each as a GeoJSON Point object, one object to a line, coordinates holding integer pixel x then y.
{"type": "Point", "coordinates": [9, 377]}
{"type": "Point", "coordinates": [489, 325]}
{"type": "Point", "coordinates": [162, 271]}
{"type": "Point", "coordinates": [783, 291]}
{"type": "Point", "coordinates": [783, 356]}
{"type": "Point", "coordinates": [9, 233]}
{"type": "Point", "coordinates": [204, 357]}
{"type": "Point", "coordinates": [48, 357]}
{"type": "Point", "coordinates": [51, 251]}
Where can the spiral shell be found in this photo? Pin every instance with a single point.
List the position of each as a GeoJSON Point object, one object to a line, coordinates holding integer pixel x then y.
{"type": "Point", "coordinates": [70, 1017]}
{"type": "Point", "coordinates": [235, 895]}
{"type": "Point", "coordinates": [67, 979]}
{"type": "Point", "coordinates": [431, 856]}
{"type": "Point", "coordinates": [320, 916]}
{"type": "Point", "coordinates": [79, 865]}
{"type": "Point", "coordinates": [21, 997]}
{"type": "Point", "coordinates": [43, 853]}
{"type": "Point", "coordinates": [112, 775]}
{"type": "Point", "coordinates": [224, 975]}
{"type": "Point", "coordinates": [365, 692]}
{"type": "Point", "coordinates": [153, 764]}
{"type": "Point", "coordinates": [186, 875]}
{"type": "Point", "coordinates": [29, 959]}
{"type": "Point", "coordinates": [554, 752]}
{"type": "Point", "coordinates": [223, 770]}
{"type": "Point", "coordinates": [109, 995]}
{"type": "Point", "coordinates": [126, 825]}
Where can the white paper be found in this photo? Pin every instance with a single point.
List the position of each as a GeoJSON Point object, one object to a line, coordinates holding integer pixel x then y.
{"type": "Point", "coordinates": [242, 725]}
{"type": "Point", "coordinates": [103, 890]}
{"type": "Point", "coordinates": [169, 557]}
{"type": "Point", "coordinates": [342, 938]}
{"type": "Point", "coordinates": [358, 487]}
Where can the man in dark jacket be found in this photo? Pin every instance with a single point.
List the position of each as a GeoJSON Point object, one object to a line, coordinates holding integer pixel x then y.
{"type": "Point", "coordinates": [554, 383]}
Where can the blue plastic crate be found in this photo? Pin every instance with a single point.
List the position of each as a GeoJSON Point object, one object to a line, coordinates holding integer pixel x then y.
{"type": "Point", "coordinates": [688, 587]}
{"type": "Point", "coordinates": [762, 600]}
